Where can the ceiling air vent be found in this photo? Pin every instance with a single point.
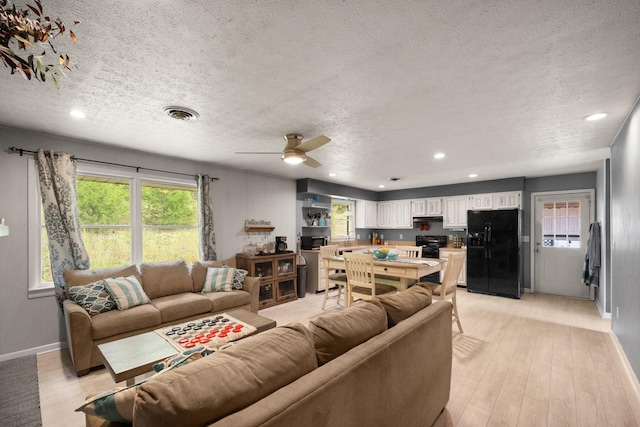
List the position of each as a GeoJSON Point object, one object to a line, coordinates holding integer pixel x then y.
{"type": "Point", "coordinates": [181, 113]}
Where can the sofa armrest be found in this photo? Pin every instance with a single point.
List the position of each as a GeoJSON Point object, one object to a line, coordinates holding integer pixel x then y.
{"type": "Point", "coordinates": [252, 285]}
{"type": "Point", "coordinates": [79, 336]}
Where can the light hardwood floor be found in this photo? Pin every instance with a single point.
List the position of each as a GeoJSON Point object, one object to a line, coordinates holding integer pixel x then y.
{"type": "Point", "coordinates": [538, 361]}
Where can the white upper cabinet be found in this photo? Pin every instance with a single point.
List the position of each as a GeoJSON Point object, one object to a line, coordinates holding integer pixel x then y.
{"type": "Point", "coordinates": [455, 212]}
{"type": "Point", "coordinates": [419, 207]}
{"type": "Point", "coordinates": [395, 214]}
{"type": "Point", "coordinates": [366, 214]}
{"type": "Point", "coordinates": [492, 201]}
{"type": "Point", "coordinates": [434, 206]}
{"type": "Point", "coordinates": [385, 214]}
{"type": "Point", "coordinates": [402, 214]}
{"type": "Point", "coordinates": [508, 200]}
{"type": "Point", "coordinates": [481, 202]}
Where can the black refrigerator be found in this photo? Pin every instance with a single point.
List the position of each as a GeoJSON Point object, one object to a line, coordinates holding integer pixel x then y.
{"type": "Point", "coordinates": [494, 258]}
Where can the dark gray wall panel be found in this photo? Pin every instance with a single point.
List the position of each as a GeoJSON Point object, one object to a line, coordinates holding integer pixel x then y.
{"type": "Point", "coordinates": [625, 237]}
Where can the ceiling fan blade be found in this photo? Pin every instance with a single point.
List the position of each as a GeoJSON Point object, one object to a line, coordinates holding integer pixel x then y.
{"type": "Point", "coordinates": [312, 162]}
{"type": "Point", "coordinates": [313, 143]}
{"type": "Point", "coordinates": [258, 152]}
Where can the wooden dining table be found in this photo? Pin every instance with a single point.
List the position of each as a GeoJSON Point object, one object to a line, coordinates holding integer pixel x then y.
{"type": "Point", "coordinates": [400, 273]}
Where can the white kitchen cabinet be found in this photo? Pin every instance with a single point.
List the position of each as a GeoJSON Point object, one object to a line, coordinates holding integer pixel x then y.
{"type": "Point", "coordinates": [462, 278]}
{"type": "Point", "coordinates": [316, 276]}
{"type": "Point", "coordinates": [434, 206]}
{"type": "Point", "coordinates": [385, 214]}
{"type": "Point", "coordinates": [366, 214]}
{"type": "Point", "coordinates": [419, 207]}
{"type": "Point", "coordinates": [455, 212]}
{"type": "Point", "coordinates": [508, 200]}
{"type": "Point", "coordinates": [481, 202]}
{"type": "Point", "coordinates": [402, 214]}
{"type": "Point", "coordinates": [395, 214]}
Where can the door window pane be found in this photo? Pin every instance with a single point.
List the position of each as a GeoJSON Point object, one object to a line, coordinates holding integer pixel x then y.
{"type": "Point", "coordinates": [561, 224]}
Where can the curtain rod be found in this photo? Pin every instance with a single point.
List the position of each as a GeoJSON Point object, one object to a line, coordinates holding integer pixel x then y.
{"type": "Point", "coordinates": [22, 151]}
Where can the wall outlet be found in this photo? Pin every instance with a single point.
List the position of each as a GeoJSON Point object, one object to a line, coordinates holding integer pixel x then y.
{"type": "Point", "coordinates": [358, 236]}
{"type": "Point", "coordinates": [617, 313]}
{"type": "Point", "coordinates": [368, 236]}
{"type": "Point", "coordinates": [401, 237]}
{"type": "Point", "coordinates": [525, 239]}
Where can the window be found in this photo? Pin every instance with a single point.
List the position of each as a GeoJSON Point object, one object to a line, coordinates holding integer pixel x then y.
{"type": "Point", "coordinates": [342, 219]}
{"type": "Point", "coordinates": [125, 218]}
{"type": "Point", "coordinates": [561, 224]}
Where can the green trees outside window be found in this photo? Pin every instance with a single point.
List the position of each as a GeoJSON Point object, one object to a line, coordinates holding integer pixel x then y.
{"type": "Point", "coordinates": [118, 228]}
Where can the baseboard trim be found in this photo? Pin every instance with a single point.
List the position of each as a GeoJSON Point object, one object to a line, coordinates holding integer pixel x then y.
{"type": "Point", "coordinates": [626, 365]}
{"type": "Point", "coordinates": [35, 350]}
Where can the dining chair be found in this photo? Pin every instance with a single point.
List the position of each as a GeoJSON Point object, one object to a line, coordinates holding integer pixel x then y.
{"type": "Point", "coordinates": [361, 278]}
{"type": "Point", "coordinates": [447, 289]}
{"type": "Point", "coordinates": [409, 251]}
{"type": "Point", "coordinates": [333, 277]}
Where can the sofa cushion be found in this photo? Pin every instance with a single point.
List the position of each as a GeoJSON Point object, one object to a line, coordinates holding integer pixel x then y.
{"type": "Point", "coordinates": [337, 332]}
{"type": "Point", "coordinates": [116, 322]}
{"type": "Point", "coordinates": [117, 404]}
{"type": "Point", "coordinates": [93, 297]}
{"type": "Point", "coordinates": [221, 301]}
{"type": "Point", "coordinates": [180, 306]}
{"type": "Point", "coordinates": [84, 277]}
{"type": "Point", "coordinates": [401, 305]}
{"type": "Point", "coordinates": [160, 279]}
{"type": "Point", "coordinates": [199, 270]}
{"type": "Point", "coordinates": [126, 291]}
{"type": "Point", "coordinates": [211, 388]}
{"type": "Point", "coordinates": [223, 279]}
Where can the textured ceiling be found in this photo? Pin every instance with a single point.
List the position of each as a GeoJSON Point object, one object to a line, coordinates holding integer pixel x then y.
{"type": "Point", "coordinates": [501, 87]}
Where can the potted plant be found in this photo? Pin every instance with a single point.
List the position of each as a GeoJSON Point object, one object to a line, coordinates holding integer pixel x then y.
{"type": "Point", "coordinates": [20, 32]}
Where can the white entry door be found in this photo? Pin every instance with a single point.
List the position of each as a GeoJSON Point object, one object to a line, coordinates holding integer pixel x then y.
{"type": "Point", "coordinates": [561, 231]}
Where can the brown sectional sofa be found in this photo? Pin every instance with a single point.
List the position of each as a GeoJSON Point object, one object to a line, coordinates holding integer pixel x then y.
{"type": "Point", "coordinates": [346, 369]}
{"type": "Point", "coordinates": [175, 292]}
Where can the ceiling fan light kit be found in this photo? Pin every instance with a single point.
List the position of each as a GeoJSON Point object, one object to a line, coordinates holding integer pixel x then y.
{"type": "Point", "coordinates": [295, 151]}
{"type": "Point", "coordinates": [293, 158]}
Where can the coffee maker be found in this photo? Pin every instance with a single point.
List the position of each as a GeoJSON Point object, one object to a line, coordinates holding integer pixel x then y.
{"type": "Point", "coordinates": [281, 244]}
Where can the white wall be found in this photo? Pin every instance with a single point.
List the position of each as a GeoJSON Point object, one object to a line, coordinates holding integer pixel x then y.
{"type": "Point", "coordinates": [34, 325]}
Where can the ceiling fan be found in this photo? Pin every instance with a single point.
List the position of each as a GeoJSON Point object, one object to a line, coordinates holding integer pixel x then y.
{"type": "Point", "coordinates": [295, 152]}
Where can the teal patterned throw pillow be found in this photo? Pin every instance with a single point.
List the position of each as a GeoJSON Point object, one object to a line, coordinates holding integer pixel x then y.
{"type": "Point", "coordinates": [93, 297]}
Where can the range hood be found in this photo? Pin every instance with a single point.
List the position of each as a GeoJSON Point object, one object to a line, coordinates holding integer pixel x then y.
{"type": "Point", "coordinates": [421, 219]}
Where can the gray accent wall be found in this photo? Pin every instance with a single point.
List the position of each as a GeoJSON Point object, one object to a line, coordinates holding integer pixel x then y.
{"type": "Point", "coordinates": [625, 237]}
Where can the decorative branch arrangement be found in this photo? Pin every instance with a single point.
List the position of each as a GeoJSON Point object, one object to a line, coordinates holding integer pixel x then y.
{"type": "Point", "coordinates": [18, 29]}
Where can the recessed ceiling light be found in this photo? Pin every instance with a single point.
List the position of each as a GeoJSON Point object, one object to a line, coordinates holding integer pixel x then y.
{"type": "Point", "coordinates": [595, 117]}
{"type": "Point", "coordinates": [438, 156]}
{"type": "Point", "coordinates": [77, 114]}
{"type": "Point", "coordinates": [333, 174]}
{"type": "Point", "coordinates": [381, 186]}
{"type": "Point", "coordinates": [473, 175]}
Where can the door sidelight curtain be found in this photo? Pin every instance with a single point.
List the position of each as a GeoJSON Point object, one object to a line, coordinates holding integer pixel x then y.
{"type": "Point", "coordinates": [57, 173]}
{"type": "Point", "coordinates": [205, 220]}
